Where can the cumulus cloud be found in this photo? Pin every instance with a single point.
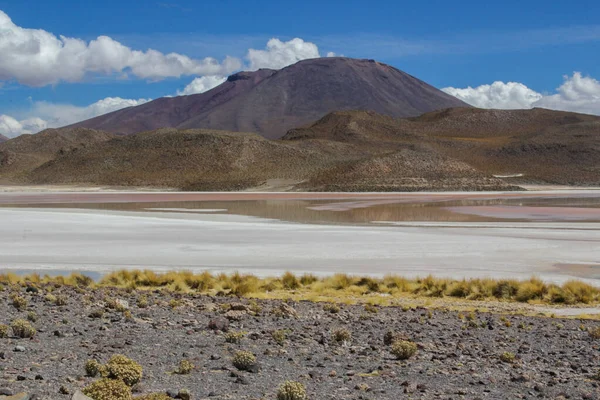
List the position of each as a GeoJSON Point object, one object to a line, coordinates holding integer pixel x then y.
{"type": "Point", "coordinates": [201, 85]}
{"type": "Point", "coordinates": [51, 115]}
{"type": "Point", "coordinates": [36, 57]}
{"type": "Point", "coordinates": [577, 94]}
{"type": "Point", "coordinates": [280, 54]}
{"type": "Point", "coordinates": [511, 95]}
{"type": "Point", "coordinates": [10, 127]}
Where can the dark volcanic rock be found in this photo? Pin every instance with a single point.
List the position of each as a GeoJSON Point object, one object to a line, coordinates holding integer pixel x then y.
{"type": "Point", "coordinates": [272, 102]}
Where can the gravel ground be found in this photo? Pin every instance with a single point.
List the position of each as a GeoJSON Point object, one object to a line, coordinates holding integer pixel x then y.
{"type": "Point", "coordinates": [458, 356]}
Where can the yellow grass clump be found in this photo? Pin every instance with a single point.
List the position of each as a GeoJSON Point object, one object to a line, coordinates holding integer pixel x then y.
{"type": "Point", "coordinates": [340, 288]}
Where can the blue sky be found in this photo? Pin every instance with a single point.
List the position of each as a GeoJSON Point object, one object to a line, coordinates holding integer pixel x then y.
{"type": "Point", "coordinates": [455, 45]}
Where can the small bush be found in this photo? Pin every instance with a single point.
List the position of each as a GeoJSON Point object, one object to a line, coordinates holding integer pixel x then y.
{"type": "Point", "coordinates": [507, 357]}
{"type": "Point", "coordinates": [92, 368]}
{"type": "Point", "coordinates": [290, 390]}
{"type": "Point", "coordinates": [290, 281]}
{"type": "Point", "coordinates": [244, 360]}
{"type": "Point", "coordinates": [341, 335]}
{"type": "Point", "coordinates": [308, 279]}
{"type": "Point", "coordinates": [32, 317]}
{"type": "Point", "coordinates": [404, 349]}
{"type": "Point", "coordinates": [234, 337]}
{"type": "Point", "coordinates": [595, 332]}
{"type": "Point", "coordinates": [331, 308]}
{"type": "Point", "coordinates": [185, 367]}
{"type": "Point", "coordinates": [125, 369]}
{"type": "Point", "coordinates": [50, 298]}
{"type": "Point", "coordinates": [3, 330]}
{"type": "Point", "coordinates": [142, 301]}
{"type": "Point", "coordinates": [22, 328]}
{"type": "Point", "coordinates": [20, 303]}
{"type": "Point", "coordinates": [390, 337]}
{"type": "Point", "coordinates": [61, 300]}
{"type": "Point", "coordinates": [279, 336]}
{"type": "Point", "coordinates": [108, 389]}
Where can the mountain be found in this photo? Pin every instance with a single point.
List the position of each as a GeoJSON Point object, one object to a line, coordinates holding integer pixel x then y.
{"type": "Point", "coordinates": [271, 102]}
{"type": "Point", "coordinates": [24, 153]}
{"type": "Point", "coordinates": [532, 146]}
{"type": "Point", "coordinates": [3, 138]}
{"type": "Point", "coordinates": [451, 149]}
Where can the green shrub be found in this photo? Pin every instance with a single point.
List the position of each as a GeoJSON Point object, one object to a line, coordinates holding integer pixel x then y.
{"type": "Point", "coordinates": [279, 336]}
{"type": "Point", "coordinates": [32, 317]}
{"type": "Point", "coordinates": [341, 335]}
{"type": "Point", "coordinates": [185, 367]}
{"type": "Point", "coordinates": [20, 303]}
{"type": "Point", "coordinates": [61, 300]}
{"type": "Point", "coordinates": [404, 349]}
{"type": "Point", "coordinates": [290, 390]}
{"type": "Point", "coordinates": [3, 330]}
{"type": "Point", "coordinates": [507, 357]}
{"type": "Point", "coordinates": [92, 368]}
{"type": "Point", "coordinates": [142, 301]}
{"type": "Point", "coordinates": [22, 328]}
{"type": "Point", "coordinates": [125, 369]}
{"type": "Point", "coordinates": [595, 332]}
{"type": "Point", "coordinates": [108, 389]}
{"type": "Point", "coordinates": [244, 360]}
{"type": "Point", "coordinates": [332, 308]}
{"type": "Point", "coordinates": [50, 298]}
{"type": "Point", "coordinates": [290, 281]}
{"type": "Point", "coordinates": [234, 337]}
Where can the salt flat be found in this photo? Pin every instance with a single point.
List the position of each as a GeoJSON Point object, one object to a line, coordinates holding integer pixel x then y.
{"type": "Point", "coordinates": [104, 240]}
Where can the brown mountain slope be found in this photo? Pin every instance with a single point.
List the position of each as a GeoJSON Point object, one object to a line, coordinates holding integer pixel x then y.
{"type": "Point", "coordinates": [272, 102]}
{"type": "Point", "coordinates": [219, 160]}
{"type": "Point", "coordinates": [542, 145]}
{"type": "Point", "coordinates": [346, 151]}
{"type": "Point", "coordinates": [22, 154]}
{"type": "Point", "coordinates": [3, 138]}
{"type": "Point", "coordinates": [191, 159]}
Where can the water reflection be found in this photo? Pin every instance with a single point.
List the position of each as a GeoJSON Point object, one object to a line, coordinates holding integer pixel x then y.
{"type": "Point", "coordinates": [352, 211]}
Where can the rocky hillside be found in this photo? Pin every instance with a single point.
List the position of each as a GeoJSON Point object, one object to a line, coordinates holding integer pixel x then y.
{"type": "Point", "coordinates": [3, 138]}
{"type": "Point", "coordinates": [454, 149]}
{"type": "Point", "coordinates": [24, 153]}
{"type": "Point", "coordinates": [272, 102]}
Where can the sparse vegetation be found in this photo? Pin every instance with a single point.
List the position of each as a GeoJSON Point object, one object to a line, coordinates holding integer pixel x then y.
{"type": "Point", "coordinates": [279, 336]}
{"type": "Point", "coordinates": [403, 349]}
{"type": "Point", "coordinates": [108, 389]}
{"type": "Point", "coordinates": [22, 329]}
{"type": "Point", "coordinates": [234, 337]}
{"type": "Point", "coordinates": [123, 368]}
{"type": "Point", "coordinates": [185, 367]}
{"type": "Point", "coordinates": [18, 302]}
{"type": "Point", "coordinates": [507, 357]}
{"type": "Point", "coordinates": [291, 390]}
{"type": "Point", "coordinates": [594, 332]}
{"type": "Point", "coordinates": [244, 360]}
{"type": "Point", "coordinates": [93, 368]}
{"type": "Point", "coordinates": [4, 330]}
{"type": "Point", "coordinates": [341, 335]}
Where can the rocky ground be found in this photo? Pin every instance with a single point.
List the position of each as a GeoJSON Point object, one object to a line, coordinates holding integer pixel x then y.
{"type": "Point", "coordinates": [459, 356]}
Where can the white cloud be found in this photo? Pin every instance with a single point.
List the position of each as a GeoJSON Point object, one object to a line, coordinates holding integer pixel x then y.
{"type": "Point", "coordinates": [201, 85]}
{"type": "Point", "coordinates": [511, 95]}
{"type": "Point", "coordinates": [280, 54]}
{"type": "Point", "coordinates": [577, 94]}
{"type": "Point", "coordinates": [51, 115]}
{"type": "Point", "coordinates": [36, 57]}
